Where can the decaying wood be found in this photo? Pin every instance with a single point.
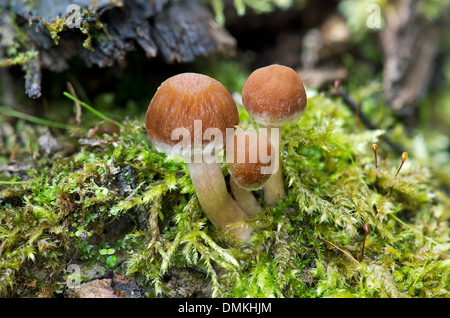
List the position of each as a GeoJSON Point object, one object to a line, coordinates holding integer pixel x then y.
{"type": "Point", "coordinates": [179, 31]}
{"type": "Point", "coordinates": [185, 31]}
{"type": "Point", "coordinates": [410, 44]}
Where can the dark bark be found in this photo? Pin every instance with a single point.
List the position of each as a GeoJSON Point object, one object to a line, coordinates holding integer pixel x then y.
{"type": "Point", "coordinates": [179, 31]}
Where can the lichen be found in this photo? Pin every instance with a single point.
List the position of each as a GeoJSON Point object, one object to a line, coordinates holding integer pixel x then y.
{"type": "Point", "coordinates": [55, 27]}
{"type": "Point", "coordinates": [92, 29]}
{"type": "Point", "coordinates": [21, 58]}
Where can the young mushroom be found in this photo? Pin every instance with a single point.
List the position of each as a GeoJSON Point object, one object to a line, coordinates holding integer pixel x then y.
{"type": "Point", "coordinates": [191, 106]}
{"type": "Point", "coordinates": [274, 96]}
{"type": "Point", "coordinates": [250, 161]}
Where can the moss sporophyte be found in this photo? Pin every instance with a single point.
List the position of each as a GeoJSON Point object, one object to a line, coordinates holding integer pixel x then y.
{"type": "Point", "coordinates": [87, 22]}
{"type": "Point", "coordinates": [57, 211]}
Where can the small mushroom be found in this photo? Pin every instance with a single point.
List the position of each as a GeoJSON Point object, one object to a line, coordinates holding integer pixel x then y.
{"type": "Point", "coordinates": [250, 160]}
{"type": "Point", "coordinates": [274, 96]}
{"type": "Point", "coordinates": [193, 103]}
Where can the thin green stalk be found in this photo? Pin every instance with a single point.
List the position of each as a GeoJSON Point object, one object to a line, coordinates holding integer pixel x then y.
{"type": "Point", "coordinates": [93, 110]}
{"type": "Point", "coordinates": [350, 256]}
{"type": "Point", "coordinates": [413, 229]}
{"type": "Point", "coordinates": [14, 113]}
{"type": "Point", "coordinates": [12, 182]}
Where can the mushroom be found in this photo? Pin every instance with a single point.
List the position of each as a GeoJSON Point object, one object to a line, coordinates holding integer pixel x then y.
{"type": "Point", "coordinates": [274, 96]}
{"type": "Point", "coordinates": [250, 161]}
{"type": "Point", "coordinates": [194, 104]}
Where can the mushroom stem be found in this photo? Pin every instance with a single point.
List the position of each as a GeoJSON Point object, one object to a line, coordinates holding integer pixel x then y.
{"type": "Point", "coordinates": [245, 199]}
{"type": "Point", "coordinates": [216, 202]}
{"type": "Point", "coordinates": [274, 187]}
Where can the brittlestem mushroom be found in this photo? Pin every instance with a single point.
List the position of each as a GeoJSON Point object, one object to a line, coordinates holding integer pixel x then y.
{"type": "Point", "coordinates": [274, 96]}
{"type": "Point", "coordinates": [183, 103]}
{"type": "Point", "coordinates": [250, 161]}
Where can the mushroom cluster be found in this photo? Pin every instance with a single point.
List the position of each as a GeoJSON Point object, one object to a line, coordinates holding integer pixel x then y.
{"type": "Point", "coordinates": [178, 103]}
{"type": "Point", "coordinates": [199, 109]}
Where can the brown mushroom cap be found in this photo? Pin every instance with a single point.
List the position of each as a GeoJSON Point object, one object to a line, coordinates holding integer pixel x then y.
{"type": "Point", "coordinates": [274, 95]}
{"type": "Point", "coordinates": [248, 170]}
{"type": "Point", "coordinates": [184, 98]}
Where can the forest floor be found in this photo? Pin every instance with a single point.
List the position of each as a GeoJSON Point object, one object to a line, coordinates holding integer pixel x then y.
{"type": "Point", "coordinates": [89, 208]}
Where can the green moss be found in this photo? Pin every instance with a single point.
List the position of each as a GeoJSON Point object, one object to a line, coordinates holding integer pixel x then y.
{"type": "Point", "coordinates": [55, 27]}
{"type": "Point", "coordinates": [20, 59]}
{"type": "Point", "coordinates": [95, 30]}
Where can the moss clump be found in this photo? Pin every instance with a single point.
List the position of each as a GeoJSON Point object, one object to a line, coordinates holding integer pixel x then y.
{"type": "Point", "coordinates": [57, 212]}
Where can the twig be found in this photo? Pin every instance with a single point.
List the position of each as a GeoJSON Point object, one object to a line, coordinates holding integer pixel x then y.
{"type": "Point", "coordinates": [32, 157]}
{"type": "Point", "coordinates": [77, 104]}
{"type": "Point", "coordinates": [13, 153]}
{"type": "Point", "coordinates": [93, 110]}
